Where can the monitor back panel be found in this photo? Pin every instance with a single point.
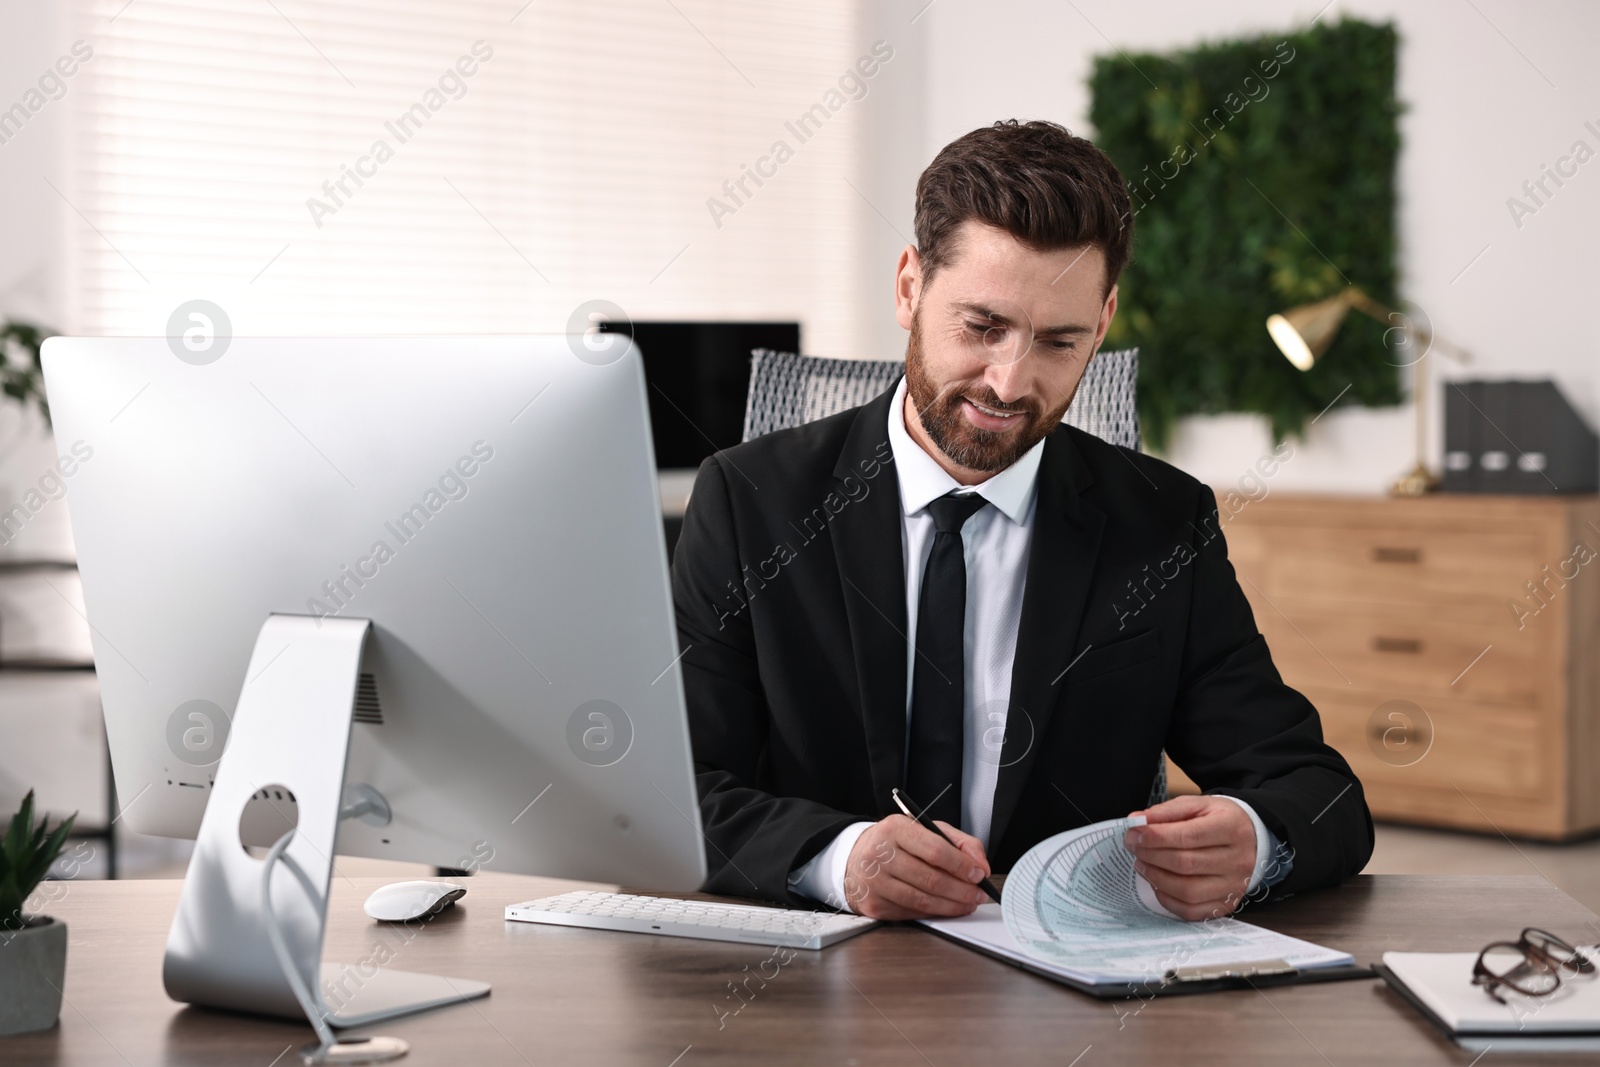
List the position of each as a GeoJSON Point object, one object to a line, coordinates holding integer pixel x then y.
{"type": "Point", "coordinates": [490, 503]}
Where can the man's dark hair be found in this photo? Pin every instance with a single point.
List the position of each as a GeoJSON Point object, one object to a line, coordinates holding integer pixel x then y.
{"type": "Point", "coordinates": [1034, 180]}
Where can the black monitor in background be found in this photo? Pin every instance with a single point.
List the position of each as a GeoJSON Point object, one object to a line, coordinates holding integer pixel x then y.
{"type": "Point", "coordinates": [698, 374]}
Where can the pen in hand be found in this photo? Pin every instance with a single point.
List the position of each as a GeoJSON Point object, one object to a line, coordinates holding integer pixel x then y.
{"type": "Point", "coordinates": [904, 803]}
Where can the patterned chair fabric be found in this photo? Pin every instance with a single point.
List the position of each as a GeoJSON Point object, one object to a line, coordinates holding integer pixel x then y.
{"type": "Point", "coordinates": [787, 390]}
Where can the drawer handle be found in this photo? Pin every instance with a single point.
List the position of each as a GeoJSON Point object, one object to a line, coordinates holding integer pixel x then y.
{"type": "Point", "coordinates": [1396, 555]}
{"type": "Point", "coordinates": [1408, 645]}
{"type": "Point", "coordinates": [1396, 734]}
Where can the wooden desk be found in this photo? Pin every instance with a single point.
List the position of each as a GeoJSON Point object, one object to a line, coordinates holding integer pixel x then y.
{"type": "Point", "coordinates": [895, 995]}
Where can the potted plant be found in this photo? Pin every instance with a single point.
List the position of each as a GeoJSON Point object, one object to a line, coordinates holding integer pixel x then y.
{"type": "Point", "coordinates": [33, 948]}
{"type": "Point", "coordinates": [20, 376]}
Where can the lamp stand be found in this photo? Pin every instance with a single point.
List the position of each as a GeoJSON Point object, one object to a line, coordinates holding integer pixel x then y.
{"type": "Point", "coordinates": [1419, 480]}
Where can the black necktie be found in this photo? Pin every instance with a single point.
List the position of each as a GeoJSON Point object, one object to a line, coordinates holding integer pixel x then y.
{"type": "Point", "coordinates": [938, 689]}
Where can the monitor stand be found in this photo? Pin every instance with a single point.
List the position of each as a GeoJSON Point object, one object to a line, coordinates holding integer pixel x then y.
{"type": "Point", "coordinates": [288, 745]}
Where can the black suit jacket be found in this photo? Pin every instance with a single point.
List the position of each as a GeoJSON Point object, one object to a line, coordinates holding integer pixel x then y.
{"type": "Point", "coordinates": [790, 591]}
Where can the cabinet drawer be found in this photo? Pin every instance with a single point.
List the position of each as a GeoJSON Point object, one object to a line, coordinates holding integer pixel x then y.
{"type": "Point", "coordinates": [1484, 610]}
{"type": "Point", "coordinates": [1458, 656]}
{"type": "Point", "coordinates": [1478, 749]}
{"type": "Point", "coordinates": [1387, 564]}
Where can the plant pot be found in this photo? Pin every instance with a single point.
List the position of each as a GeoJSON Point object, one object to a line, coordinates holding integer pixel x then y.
{"type": "Point", "coordinates": [33, 972]}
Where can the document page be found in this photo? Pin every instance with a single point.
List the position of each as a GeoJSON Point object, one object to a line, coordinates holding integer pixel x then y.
{"type": "Point", "coordinates": [1075, 905]}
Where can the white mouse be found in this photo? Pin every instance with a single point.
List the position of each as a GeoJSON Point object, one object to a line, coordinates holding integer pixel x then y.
{"type": "Point", "coordinates": [406, 901]}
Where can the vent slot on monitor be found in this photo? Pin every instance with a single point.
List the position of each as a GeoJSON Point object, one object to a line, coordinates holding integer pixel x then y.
{"type": "Point", "coordinates": [368, 709]}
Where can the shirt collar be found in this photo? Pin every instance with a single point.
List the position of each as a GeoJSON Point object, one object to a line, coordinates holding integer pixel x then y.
{"type": "Point", "coordinates": [922, 480]}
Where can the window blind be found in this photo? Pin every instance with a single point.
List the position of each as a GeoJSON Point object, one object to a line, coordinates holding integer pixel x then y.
{"type": "Point", "coordinates": [441, 166]}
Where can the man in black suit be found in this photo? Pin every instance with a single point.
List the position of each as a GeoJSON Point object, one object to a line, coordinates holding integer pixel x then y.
{"type": "Point", "coordinates": [949, 592]}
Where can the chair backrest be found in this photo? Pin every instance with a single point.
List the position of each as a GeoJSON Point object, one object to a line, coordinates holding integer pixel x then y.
{"type": "Point", "coordinates": [789, 390]}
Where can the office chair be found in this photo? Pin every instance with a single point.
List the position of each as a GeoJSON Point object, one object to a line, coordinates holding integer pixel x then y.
{"type": "Point", "coordinates": [787, 389]}
{"type": "Point", "coordinates": [790, 390]}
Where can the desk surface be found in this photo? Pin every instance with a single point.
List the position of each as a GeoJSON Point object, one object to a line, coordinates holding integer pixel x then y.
{"type": "Point", "coordinates": [895, 995]}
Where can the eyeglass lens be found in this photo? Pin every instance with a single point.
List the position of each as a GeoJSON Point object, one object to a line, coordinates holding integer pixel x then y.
{"type": "Point", "coordinates": [1510, 964]}
{"type": "Point", "coordinates": [1558, 950]}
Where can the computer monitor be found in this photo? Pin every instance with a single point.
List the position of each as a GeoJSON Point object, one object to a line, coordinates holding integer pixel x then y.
{"type": "Point", "coordinates": [488, 503]}
{"type": "Point", "coordinates": [698, 375]}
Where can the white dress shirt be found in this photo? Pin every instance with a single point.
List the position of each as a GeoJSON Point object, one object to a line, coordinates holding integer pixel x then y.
{"type": "Point", "coordinates": [996, 540]}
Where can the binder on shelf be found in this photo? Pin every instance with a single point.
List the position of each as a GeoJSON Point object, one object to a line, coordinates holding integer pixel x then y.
{"type": "Point", "coordinates": [1496, 451]}
{"type": "Point", "coordinates": [1520, 437]}
{"type": "Point", "coordinates": [1461, 400]}
{"type": "Point", "coordinates": [1560, 454]}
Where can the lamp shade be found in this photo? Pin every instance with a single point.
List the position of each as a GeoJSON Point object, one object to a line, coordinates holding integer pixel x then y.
{"type": "Point", "coordinates": [1304, 333]}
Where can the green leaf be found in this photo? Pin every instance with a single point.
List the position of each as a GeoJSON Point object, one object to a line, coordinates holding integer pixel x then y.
{"type": "Point", "coordinates": [27, 852]}
{"type": "Point", "coordinates": [47, 854]}
{"type": "Point", "coordinates": [21, 826]}
{"type": "Point", "coordinates": [20, 376]}
{"type": "Point", "coordinates": [1286, 199]}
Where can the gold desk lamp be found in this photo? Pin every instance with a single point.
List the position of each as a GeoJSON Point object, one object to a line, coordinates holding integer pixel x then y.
{"type": "Point", "coordinates": [1304, 333]}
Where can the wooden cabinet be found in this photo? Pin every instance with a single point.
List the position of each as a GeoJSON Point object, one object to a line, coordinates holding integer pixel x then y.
{"type": "Point", "coordinates": [1451, 644]}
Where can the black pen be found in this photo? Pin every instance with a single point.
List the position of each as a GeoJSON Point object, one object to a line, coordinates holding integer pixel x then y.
{"type": "Point", "coordinates": [904, 803]}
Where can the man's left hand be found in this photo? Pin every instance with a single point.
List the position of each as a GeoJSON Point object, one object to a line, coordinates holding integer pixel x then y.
{"type": "Point", "coordinates": [1197, 852]}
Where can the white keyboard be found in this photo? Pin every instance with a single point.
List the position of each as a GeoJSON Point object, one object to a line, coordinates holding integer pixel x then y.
{"type": "Point", "coordinates": [747, 924]}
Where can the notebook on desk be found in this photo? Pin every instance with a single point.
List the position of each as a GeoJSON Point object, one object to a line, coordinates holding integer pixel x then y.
{"type": "Point", "coordinates": [1439, 985]}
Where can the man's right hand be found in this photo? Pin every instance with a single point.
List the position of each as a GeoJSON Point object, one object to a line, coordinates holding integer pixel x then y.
{"type": "Point", "coordinates": [900, 870]}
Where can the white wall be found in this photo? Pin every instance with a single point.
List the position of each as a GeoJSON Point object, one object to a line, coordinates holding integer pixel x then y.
{"type": "Point", "coordinates": [1482, 117]}
{"type": "Point", "coordinates": [33, 247]}
{"type": "Point", "coordinates": [1489, 99]}
{"type": "Point", "coordinates": [892, 151]}
{"type": "Point", "coordinates": [32, 35]}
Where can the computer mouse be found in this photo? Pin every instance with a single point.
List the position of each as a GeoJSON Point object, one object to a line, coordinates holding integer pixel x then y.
{"type": "Point", "coordinates": [406, 901]}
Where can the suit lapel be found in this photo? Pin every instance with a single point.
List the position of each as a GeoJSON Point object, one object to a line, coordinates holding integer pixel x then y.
{"type": "Point", "coordinates": [866, 543]}
{"type": "Point", "coordinates": [1061, 567]}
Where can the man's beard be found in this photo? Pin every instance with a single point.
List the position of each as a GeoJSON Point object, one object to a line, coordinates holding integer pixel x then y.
{"type": "Point", "coordinates": [964, 444]}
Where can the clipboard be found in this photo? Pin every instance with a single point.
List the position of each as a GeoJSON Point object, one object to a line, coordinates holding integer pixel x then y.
{"type": "Point", "coordinates": [1184, 981]}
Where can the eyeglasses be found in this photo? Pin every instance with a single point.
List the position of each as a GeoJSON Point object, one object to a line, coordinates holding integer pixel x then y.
{"type": "Point", "coordinates": [1531, 965]}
